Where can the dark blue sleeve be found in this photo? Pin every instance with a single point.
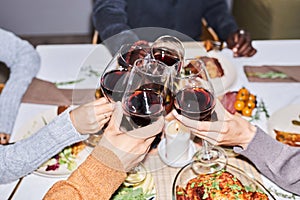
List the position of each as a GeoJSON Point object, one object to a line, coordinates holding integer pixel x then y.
{"type": "Point", "coordinates": [109, 19]}
{"type": "Point", "coordinates": [219, 18]}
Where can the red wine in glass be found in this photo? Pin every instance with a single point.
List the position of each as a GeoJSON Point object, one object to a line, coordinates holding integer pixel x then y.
{"type": "Point", "coordinates": [143, 106]}
{"type": "Point", "coordinates": [195, 103]}
{"type": "Point", "coordinates": [166, 56]}
{"type": "Point", "coordinates": [168, 99]}
{"type": "Point", "coordinates": [113, 84]}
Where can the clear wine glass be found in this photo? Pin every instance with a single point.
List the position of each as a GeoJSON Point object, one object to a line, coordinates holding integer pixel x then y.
{"type": "Point", "coordinates": [195, 99]}
{"type": "Point", "coordinates": [114, 78]}
{"type": "Point", "coordinates": [144, 99]}
{"type": "Point", "coordinates": [169, 50]}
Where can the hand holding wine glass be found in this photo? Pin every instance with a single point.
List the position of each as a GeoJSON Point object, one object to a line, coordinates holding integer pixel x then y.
{"type": "Point", "coordinates": [195, 99]}
{"type": "Point", "coordinates": [144, 99]}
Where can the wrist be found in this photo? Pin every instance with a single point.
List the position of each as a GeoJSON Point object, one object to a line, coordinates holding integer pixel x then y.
{"type": "Point", "coordinates": [249, 133]}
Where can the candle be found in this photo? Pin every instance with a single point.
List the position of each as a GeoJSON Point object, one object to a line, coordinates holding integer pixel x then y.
{"type": "Point", "coordinates": [177, 141]}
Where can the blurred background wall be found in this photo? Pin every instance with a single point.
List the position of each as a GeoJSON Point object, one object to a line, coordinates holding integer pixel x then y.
{"type": "Point", "coordinates": [46, 17]}
{"type": "Point", "coordinates": [268, 19]}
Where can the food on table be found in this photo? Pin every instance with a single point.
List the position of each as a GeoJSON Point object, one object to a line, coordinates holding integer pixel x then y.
{"type": "Point", "coordinates": [228, 100]}
{"type": "Point", "coordinates": [61, 109]}
{"type": "Point", "coordinates": [245, 102]}
{"type": "Point", "coordinates": [1, 87]}
{"type": "Point", "coordinates": [66, 157]}
{"type": "Point", "coordinates": [292, 139]}
{"type": "Point", "coordinates": [213, 66]}
{"type": "Point", "coordinates": [219, 185]}
{"type": "Point", "coordinates": [142, 191]}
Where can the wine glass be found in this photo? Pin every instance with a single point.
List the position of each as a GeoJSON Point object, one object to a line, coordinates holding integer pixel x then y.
{"type": "Point", "coordinates": [144, 99]}
{"type": "Point", "coordinates": [195, 99]}
{"type": "Point", "coordinates": [169, 50]}
{"type": "Point", "coordinates": [115, 76]}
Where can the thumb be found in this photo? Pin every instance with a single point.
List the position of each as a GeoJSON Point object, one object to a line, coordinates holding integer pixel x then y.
{"type": "Point", "coordinates": [216, 126]}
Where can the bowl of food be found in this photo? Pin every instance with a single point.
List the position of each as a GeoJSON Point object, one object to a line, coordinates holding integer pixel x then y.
{"type": "Point", "coordinates": [229, 183]}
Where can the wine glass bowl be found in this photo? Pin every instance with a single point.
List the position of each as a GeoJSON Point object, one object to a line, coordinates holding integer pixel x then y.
{"type": "Point", "coordinates": [144, 98]}
{"type": "Point", "coordinates": [115, 76]}
{"type": "Point", "coordinates": [194, 98]}
{"type": "Point", "coordinates": [169, 50]}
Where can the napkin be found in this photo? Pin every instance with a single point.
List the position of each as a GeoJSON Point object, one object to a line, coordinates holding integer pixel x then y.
{"type": "Point", "coordinates": [272, 73]}
{"type": "Point", "coordinates": [45, 92]}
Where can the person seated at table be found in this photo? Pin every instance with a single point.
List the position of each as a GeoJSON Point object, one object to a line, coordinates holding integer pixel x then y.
{"type": "Point", "coordinates": [71, 126]}
{"type": "Point", "coordinates": [277, 161]}
{"type": "Point", "coordinates": [100, 175]}
{"type": "Point", "coordinates": [24, 63]}
{"type": "Point", "coordinates": [119, 17]}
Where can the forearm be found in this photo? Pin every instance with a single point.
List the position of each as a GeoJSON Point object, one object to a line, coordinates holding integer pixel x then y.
{"type": "Point", "coordinates": [220, 19]}
{"type": "Point", "coordinates": [94, 179]}
{"type": "Point", "coordinates": [277, 161]}
{"type": "Point", "coordinates": [24, 63]}
{"type": "Point", "coordinates": [28, 154]}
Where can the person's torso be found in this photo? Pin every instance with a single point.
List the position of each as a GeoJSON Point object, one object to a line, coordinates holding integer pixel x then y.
{"type": "Point", "coordinates": [180, 15]}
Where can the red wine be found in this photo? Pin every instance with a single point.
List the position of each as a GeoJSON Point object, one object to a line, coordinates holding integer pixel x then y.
{"type": "Point", "coordinates": [165, 92]}
{"type": "Point", "coordinates": [144, 106]}
{"type": "Point", "coordinates": [113, 84]}
{"type": "Point", "coordinates": [166, 56]}
{"type": "Point", "coordinates": [195, 103]}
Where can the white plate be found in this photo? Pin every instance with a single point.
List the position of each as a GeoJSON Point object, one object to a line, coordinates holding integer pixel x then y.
{"type": "Point", "coordinates": [222, 84]}
{"type": "Point", "coordinates": [282, 120]}
{"type": "Point", "coordinates": [32, 126]}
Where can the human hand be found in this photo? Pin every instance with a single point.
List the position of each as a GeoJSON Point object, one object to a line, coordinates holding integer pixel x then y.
{"type": "Point", "coordinates": [132, 146]}
{"type": "Point", "coordinates": [230, 130]}
{"type": "Point", "coordinates": [91, 117]}
{"type": "Point", "coordinates": [4, 138]}
{"type": "Point", "coordinates": [240, 43]}
{"type": "Point", "coordinates": [138, 50]}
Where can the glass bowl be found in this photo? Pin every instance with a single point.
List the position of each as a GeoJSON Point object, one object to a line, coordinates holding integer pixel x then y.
{"type": "Point", "coordinates": [187, 173]}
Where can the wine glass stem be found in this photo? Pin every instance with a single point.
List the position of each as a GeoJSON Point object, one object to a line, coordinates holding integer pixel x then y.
{"type": "Point", "coordinates": [206, 151]}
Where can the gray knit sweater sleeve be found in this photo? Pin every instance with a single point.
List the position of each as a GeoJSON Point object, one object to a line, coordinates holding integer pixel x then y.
{"type": "Point", "coordinates": [27, 155]}
{"type": "Point", "coordinates": [279, 162]}
{"type": "Point", "coordinates": [24, 64]}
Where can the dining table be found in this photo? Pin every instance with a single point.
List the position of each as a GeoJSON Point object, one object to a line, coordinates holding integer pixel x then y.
{"type": "Point", "coordinates": [78, 66]}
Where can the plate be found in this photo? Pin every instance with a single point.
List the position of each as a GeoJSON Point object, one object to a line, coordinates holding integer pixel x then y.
{"type": "Point", "coordinates": [147, 187]}
{"type": "Point", "coordinates": [187, 173]}
{"type": "Point", "coordinates": [221, 84]}
{"type": "Point", "coordinates": [282, 120]}
{"type": "Point", "coordinates": [36, 123]}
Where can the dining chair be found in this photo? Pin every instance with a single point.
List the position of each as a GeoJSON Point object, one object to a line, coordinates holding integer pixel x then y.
{"type": "Point", "coordinates": [208, 32]}
{"type": "Point", "coordinates": [95, 37]}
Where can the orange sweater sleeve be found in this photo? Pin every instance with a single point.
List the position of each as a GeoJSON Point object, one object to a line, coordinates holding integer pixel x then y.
{"type": "Point", "coordinates": [96, 178]}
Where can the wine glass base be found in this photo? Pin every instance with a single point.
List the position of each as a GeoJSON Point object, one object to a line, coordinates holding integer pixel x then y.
{"type": "Point", "coordinates": [136, 175]}
{"type": "Point", "coordinates": [212, 162]}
